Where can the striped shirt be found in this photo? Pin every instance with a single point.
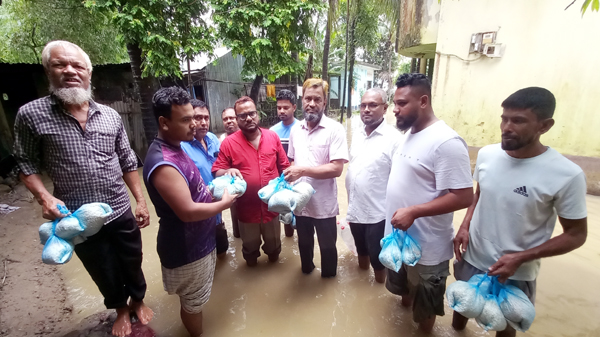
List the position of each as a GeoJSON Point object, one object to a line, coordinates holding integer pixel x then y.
{"type": "Point", "coordinates": [84, 165]}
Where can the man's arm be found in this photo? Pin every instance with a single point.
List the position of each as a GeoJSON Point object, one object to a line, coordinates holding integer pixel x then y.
{"type": "Point", "coordinates": [457, 199]}
{"type": "Point", "coordinates": [142, 216]}
{"type": "Point", "coordinates": [332, 169]}
{"type": "Point", "coordinates": [282, 159]}
{"type": "Point", "coordinates": [573, 236]}
{"type": "Point", "coordinates": [49, 203]}
{"type": "Point", "coordinates": [461, 240]}
{"type": "Point", "coordinates": [27, 152]}
{"type": "Point", "coordinates": [174, 190]}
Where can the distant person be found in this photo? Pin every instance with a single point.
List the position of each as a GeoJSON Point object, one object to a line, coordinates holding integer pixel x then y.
{"type": "Point", "coordinates": [286, 107]}
{"type": "Point", "coordinates": [371, 152]}
{"type": "Point", "coordinates": [256, 155]}
{"type": "Point", "coordinates": [522, 186]}
{"type": "Point", "coordinates": [83, 147]}
{"type": "Point", "coordinates": [203, 150]}
{"type": "Point", "coordinates": [430, 178]}
{"type": "Point", "coordinates": [319, 149]}
{"type": "Point", "coordinates": [231, 126]}
{"type": "Point", "coordinates": [229, 122]}
{"type": "Point", "coordinates": [186, 236]}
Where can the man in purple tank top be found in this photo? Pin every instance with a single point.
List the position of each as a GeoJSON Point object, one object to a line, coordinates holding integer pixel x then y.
{"type": "Point", "coordinates": [186, 236]}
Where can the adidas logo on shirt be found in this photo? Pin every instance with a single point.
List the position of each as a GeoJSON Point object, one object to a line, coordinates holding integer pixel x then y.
{"type": "Point", "coordinates": [522, 191]}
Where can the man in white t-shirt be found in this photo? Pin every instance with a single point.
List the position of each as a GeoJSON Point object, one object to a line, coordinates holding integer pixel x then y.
{"type": "Point", "coordinates": [371, 152]}
{"type": "Point", "coordinates": [522, 187]}
{"type": "Point", "coordinates": [286, 107]}
{"type": "Point", "coordinates": [430, 178]}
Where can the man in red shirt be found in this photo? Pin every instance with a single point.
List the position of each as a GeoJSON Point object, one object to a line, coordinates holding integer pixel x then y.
{"type": "Point", "coordinates": [255, 154]}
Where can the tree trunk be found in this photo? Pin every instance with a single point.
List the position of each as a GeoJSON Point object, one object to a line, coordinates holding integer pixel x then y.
{"type": "Point", "coordinates": [343, 102]}
{"type": "Point", "coordinates": [351, 58]}
{"type": "Point", "coordinates": [294, 75]}
{"type": "Point", "coordinates": [309, 65]}
{"type": "Point", "coordinates": [144, 89]}
{"type": "Point", "coordinates": [256, 89]}
{"type": "Point", "coordinates": [324, 74]}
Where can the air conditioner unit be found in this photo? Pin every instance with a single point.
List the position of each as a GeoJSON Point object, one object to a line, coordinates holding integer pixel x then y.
{"type": "Point", "coordinates": [492, 50]}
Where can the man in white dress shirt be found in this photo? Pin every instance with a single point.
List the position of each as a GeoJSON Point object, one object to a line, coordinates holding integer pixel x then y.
{"type": "Point", "coordinates": [371, 155]}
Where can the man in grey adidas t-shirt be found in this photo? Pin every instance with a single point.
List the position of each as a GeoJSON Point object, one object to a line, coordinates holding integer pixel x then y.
{"type": "Point", "coordinates": [522, 187]}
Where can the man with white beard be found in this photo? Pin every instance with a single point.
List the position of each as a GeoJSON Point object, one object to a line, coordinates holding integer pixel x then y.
{"type": "Point", "coordinates": [84, 149]}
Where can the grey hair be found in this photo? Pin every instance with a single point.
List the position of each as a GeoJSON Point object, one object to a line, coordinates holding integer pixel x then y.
{"type": "Point", "coordinates": [59, 43]}
{"type": "Point", "coordinates": [381, 92]}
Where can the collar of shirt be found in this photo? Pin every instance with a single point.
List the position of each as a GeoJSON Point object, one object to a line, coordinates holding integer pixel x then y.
{"type": "Point", "coordinates": [325, 122]}
{"type": "Point", "coordinates": [93, 107]}
{"type": "Point", "coordinates": [380, 129]}
{"type": "Point", "coordinates": [210, 145]}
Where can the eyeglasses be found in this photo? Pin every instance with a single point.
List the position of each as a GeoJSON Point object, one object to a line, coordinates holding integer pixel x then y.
{"type": "Point", "coordinates": [243, 116]}
{"type": "Point", "coordinates": [371, 106]}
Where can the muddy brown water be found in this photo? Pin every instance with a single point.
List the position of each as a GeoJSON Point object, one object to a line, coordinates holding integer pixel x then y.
{"type": "Point", "coordinates": [276, 299]}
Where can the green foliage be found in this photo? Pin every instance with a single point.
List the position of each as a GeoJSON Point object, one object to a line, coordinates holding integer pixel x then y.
{"type": "Point", "coordinates": [27, 25]}
{"type": "Point", "coordinates": [595, 5]}
{"type": "Point", "coordinates": [165, 30]}
{"type": "Point", "coordinates": [266, 32]}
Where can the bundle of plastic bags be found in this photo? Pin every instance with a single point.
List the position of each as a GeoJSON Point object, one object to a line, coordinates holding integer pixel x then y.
{"type": "Point", "coordinates": [516, 307]}
{"type": "Point", "coordinates": [397, 248]}
{"type": "Point", "coordinates": [284, 198]}
{"type": "Point", "coordinates": [468, 298]}
{"type": "Point", "coordinates": [234, 185]}
{"type": "Point", "coordinates": [491, 303]}
{"type": "Point", "coordinates": [61, 235]}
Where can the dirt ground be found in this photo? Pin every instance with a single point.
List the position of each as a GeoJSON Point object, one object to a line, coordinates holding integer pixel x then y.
{"type": "Point", "coordinates": [33, 298]}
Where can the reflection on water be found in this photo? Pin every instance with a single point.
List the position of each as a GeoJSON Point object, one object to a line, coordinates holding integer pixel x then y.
{"type": "Point", "coordinates": [276, 299]}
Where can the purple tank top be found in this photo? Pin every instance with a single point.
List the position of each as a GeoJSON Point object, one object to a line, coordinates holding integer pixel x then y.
{"type": "Point", "coordinates": [178, 242]}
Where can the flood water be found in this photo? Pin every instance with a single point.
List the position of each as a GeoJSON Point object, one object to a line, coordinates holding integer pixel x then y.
{"type": "Point", "coordinates": [276, 299]}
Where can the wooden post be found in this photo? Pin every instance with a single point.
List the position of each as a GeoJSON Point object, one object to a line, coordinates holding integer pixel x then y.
{"type": "Point", "coordinates": [6, 135]}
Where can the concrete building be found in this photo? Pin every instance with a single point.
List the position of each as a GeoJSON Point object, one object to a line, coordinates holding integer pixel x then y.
{"type": "Point", "coordinates": [529, 43]}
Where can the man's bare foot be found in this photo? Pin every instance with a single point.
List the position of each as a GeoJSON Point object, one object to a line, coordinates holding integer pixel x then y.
{"type": "Point", "coordinates": [122, 326]}
{"type": "Point", "coordinates": [143, 313]}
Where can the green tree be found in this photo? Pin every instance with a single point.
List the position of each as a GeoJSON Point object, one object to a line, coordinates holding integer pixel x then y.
{"type": "Point", "coordinates": [157, 33]}
{"type": "Point", "coordinates": [28, 25]}
{"type": "Point", "coordinates": [363, 33]}
{"type": "Point", "coordinates": [384, 55]}
{"type": "Point", "coordinates": [331, 13]}
{"type": "Point", "coordinates": [266, 33]}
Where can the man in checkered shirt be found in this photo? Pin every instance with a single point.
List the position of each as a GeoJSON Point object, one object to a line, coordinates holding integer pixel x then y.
{"type": "Point", "coordinates": [83, 147]}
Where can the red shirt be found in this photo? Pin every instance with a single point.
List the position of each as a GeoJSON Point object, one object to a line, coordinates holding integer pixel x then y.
{"type": "Point", "coordinates": [257, 168]}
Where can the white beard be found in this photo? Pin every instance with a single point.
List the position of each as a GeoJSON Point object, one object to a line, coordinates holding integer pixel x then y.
{"type": "Point", "coordinates": [73, 96]}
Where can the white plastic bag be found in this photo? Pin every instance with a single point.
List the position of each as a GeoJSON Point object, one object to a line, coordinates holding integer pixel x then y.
{"type": "Point", "coordinates": [346, 234]}
{"type": "Point", "coordinates": [92, 216]}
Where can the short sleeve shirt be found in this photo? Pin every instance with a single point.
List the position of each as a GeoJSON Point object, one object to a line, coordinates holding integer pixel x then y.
{"type": "Point", "coordinates": [321, 145]}
{"type": "Point", "coordinates": [368, 172]}
{"type": "Point", "coordinates": [518, 205]}
{"type": "Point", "coordinates": [257, 167]}
{"type": "Point", "coordinates": [430, 163]}
{"type": "Point", "coordinates": [283, 131]}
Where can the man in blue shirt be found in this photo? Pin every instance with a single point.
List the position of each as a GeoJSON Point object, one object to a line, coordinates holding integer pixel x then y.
{"type": "Point", "coordinates": [204, 150]}
{"type": "Point", "coordinates": [286, 107]}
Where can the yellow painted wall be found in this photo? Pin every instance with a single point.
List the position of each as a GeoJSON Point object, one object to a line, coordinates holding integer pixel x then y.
{"type": "Point", "coordinates": [545, 46]}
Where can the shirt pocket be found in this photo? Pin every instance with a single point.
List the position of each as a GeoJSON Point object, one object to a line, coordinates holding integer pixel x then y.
{"type": "Point", "coordinates": [103, 142]}
{"type": "Point", "coordinates": [268, 161]}
{"type": "Point", "coordinates": [319, 154]}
